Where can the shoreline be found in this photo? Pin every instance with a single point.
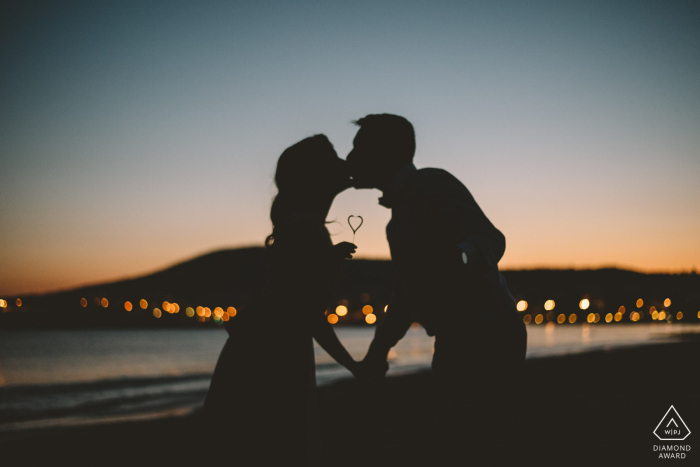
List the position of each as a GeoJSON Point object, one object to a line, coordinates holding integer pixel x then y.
{"type": "Point", "coordinates": [601, 406]}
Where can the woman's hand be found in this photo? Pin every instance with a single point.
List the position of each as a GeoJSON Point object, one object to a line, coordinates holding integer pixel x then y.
{"type": "Point", "coordinates": [344, 250]}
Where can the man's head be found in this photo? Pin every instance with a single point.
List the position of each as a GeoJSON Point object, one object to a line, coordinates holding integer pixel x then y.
{"type": "Point", "coordinates": [382, 145]}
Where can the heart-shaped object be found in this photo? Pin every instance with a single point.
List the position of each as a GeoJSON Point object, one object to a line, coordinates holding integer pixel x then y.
{"type": "Point", "coordinates": [355, 229]}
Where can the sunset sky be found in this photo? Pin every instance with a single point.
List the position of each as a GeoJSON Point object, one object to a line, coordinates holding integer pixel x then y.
{"type": "Point", "coordinates": [134, 135]}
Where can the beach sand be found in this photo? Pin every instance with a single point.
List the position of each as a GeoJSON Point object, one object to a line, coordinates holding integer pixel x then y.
{"type": "Point", "coordinates": [598, 408]}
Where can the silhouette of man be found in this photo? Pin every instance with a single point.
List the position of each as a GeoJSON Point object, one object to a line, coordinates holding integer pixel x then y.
{"type": "Point", "coordinates": [445, 253]}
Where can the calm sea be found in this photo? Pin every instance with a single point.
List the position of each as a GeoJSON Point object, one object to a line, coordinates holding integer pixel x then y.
{"type": "Point", "coordinates": [58, 378]}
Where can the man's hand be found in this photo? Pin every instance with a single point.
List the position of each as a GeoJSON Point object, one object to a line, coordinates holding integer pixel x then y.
{"type": "Point", "coordinates": [344, 250]}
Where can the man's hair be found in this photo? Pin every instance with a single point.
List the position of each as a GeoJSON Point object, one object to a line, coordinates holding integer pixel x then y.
{"type": "Point", "coordinates": [393, 133]}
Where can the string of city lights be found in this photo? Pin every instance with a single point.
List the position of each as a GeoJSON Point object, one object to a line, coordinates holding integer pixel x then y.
{"type": "Point", "coordinates": [593, 318]}
{"type": "Point", "coordinates": [220, 316]}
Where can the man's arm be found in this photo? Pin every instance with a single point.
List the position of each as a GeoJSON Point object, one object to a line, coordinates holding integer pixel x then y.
{"type": "Point", "coordinates": [420, 238]}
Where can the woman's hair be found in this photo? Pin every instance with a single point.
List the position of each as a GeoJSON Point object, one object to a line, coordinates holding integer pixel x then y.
{"type": "Point", "coordinates": [303, 169]}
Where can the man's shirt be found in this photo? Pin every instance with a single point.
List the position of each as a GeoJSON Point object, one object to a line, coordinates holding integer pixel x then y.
{"type": "Point", "coordinates": [436, 224]}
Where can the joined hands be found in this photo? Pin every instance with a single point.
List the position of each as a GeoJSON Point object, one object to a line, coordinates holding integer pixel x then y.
{"type": "Point", "coordinates": [370, 369]}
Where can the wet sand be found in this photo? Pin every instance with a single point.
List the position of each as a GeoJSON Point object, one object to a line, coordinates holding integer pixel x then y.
{"type": "Point", "coordinates": [596, 408]}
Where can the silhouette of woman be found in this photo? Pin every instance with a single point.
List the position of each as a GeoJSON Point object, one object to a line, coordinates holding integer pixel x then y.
{"type": "Point", "coordinates": [262, 396]}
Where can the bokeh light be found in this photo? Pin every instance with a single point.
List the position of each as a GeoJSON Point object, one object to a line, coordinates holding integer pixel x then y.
{"type": "Point", "coordinates": [341, 310]}
{"type": "Point", "coordinates": [218, 312]}
{"type": "Point", "coordinates": [189, 311]}
{"type": "Point", "coordinates": [608, 317]}
{"type": "Point", "coordinates": [18, 302]}
{"type": "Point", "coordinates": [332, 318]}
{"type": "Point", "coordinates": [83, 302]}
{"type": "Point", "coordinates": [127, 306]}
{"type": "Point", "coordinates": [621, 310]}
{"type": "Point", "coordinates": [572, 318]}
{"type": "Point", "coordinates": [527, 319]}
{"type": "Point", "coordinates": [522, 305]}
{"type": "Point", "coordinates": [584, 304]}
{"type": "Point", "coordinates": [157, 313]}
{"type": "Point", "coordinates": [549, 305]}
{"type": "Point", "coordinates": [662, 315]}
{"type": "Point", "coordinates": [590, 318]}
{"type": "Point", "coordinates": [143, 304]}
{"type": "Point", "coordinates": [200, 311]}
{"type": "Point", "coordinates": [667, 302]}
{"type": "Point", "coordinates": [166, 306]}
{"type": "Point", "coordinates": [367, 309]}
{"type": "Point", "coordinates": [538, 319]}
{"type": "Point", "coordinates": [640, 303]}
{"type": "Point", "coordinates": [561, 318]}
{"type": "Point", "coordinates": [679, 315]}
{"type": "Point", "coordinates": [371, 319]}
{"type": "Point", "coordinates": [231, 311]}
{"type": "Point", "coordinates": [207, 312]}
{"type": "Point", "coordinates": [104, 302]}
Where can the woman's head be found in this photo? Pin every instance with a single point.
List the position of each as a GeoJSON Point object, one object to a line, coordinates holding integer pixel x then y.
{"type": "Point", "coordinates": [311, 167]}
{"type": "Point", "coordinates": [309, 174]}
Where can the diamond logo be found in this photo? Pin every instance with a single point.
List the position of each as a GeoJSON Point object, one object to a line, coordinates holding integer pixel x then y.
{"type": "Point", "coordinates": [672, 427]}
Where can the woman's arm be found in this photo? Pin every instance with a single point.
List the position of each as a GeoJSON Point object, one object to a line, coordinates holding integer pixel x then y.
{"type": "Point", "coordinates": [328, 340]}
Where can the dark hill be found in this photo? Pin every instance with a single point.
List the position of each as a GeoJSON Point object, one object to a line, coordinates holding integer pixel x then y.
{"type": "Point", "coordinates": [229, 277]}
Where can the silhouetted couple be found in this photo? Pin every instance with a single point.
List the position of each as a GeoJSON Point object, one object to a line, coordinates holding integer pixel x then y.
{"type": "Point", "coordinates": [445, 252]}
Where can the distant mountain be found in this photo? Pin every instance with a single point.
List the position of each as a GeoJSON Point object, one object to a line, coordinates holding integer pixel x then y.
{"type": "Point", "coordinates": [229, 277]}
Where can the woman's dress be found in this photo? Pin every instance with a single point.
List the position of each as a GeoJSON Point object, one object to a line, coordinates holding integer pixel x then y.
{"type": "Point", "coordinates": [262, 398]}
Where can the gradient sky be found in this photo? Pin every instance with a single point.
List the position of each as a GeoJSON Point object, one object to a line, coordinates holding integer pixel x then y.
{"type": "Point", "coordinates": [134, 135]}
